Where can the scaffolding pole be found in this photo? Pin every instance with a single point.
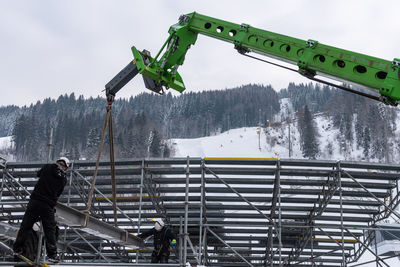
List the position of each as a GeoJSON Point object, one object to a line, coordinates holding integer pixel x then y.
{"type": "Point", "coordinates": [186, 212]}
{"type": "Point", "coordinates": [140, 205]}
{"type": "Point", "coordinates": [270, 238]}
{"type": "Point", "coordinates": [202, 208]}
{"type": "Point", "coordinates": [338, 173]}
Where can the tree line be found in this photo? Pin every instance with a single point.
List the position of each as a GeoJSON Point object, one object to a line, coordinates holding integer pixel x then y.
{"type": "Point", "coordinates": [144, 123]}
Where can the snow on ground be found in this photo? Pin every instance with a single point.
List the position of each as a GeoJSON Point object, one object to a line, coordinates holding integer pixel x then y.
{"type": "Point", "coordinates": [6, 142]}
{"type": "Point", "coordinates": [242, 142]}
{"type": "Point", "coordinates": [265, 142]}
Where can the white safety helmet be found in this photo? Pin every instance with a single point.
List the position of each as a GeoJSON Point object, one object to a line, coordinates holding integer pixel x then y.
{"type": "Point", "coordinates": [158, 224]}
{"type": "Point", "coordinates": [65, 160]}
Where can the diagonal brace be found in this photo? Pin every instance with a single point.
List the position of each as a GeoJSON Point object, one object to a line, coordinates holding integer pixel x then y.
{"type": "Point", "coordinates": [226, 244]}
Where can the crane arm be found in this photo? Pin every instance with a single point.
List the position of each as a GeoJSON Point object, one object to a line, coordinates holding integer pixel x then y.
{"type": "Point", "coordinates": [311, 57]}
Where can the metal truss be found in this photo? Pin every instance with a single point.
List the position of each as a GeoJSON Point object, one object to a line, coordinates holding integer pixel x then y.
{"type": "Point", "coordinates": [328, 190]}
{"type": "Point", "coordinates": [225, 211]}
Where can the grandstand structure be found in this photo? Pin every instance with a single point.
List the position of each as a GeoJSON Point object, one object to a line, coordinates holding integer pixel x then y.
{"type": "Point", "coordinates": [225, 211]}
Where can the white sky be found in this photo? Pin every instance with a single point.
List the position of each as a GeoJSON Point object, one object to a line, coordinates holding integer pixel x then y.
{"type": "Point", "coordinates": [48, 48]}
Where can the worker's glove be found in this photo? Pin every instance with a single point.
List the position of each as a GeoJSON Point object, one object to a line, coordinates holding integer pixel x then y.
{"type": "Point", "coordinates": [173, 242]}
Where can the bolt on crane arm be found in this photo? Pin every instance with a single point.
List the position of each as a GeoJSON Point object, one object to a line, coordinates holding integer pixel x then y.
{"type": "Point", "coordinates": [311, 57]}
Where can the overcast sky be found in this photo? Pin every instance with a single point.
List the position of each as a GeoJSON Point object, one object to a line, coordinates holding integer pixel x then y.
{"type": "Point", "coordinates": [49, 48]}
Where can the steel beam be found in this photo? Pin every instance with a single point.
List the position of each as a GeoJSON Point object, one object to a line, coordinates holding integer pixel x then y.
{"type": "Point", "coordinates": [76, 219]}
{"type": "Point", "coordinates": [8, 231]}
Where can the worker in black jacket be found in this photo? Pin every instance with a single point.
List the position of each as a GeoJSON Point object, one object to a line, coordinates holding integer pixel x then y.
{"type": "Point", "coordinates": [52, 180]}
{"type": "Point", "coordinates": [163, 238]}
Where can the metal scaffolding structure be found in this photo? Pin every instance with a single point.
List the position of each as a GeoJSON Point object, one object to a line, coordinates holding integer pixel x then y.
{"type": "Point", "coordinates": [225, 211]}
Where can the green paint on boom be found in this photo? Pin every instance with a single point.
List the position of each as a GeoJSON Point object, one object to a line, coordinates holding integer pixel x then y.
{"type": "Point", "coordinates": [310, 56]}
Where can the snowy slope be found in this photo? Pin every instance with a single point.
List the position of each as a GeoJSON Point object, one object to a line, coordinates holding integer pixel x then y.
{"type": "Point", "coordinates": [274, 141]}
{"type": "Point", "coordinates": [6, 145]}
{"type": "Point", "coordinates": [5, 142]}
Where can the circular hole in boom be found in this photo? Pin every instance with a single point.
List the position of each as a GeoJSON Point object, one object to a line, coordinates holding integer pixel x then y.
{"type": "Point", "coordinates": [207, 25]}
{"type": "Point", "coordinates": [268, 43]}
{"type": "Point", "coordinates": [285, 48]}
{"type": "Point", "coordinates": [232, 33]}
{"type": "Point", "coordinates": [220, 29]}
{"type": "Point", "coordinates": [381, 75]}
{"type": "Point", "coordinates": [339, 63]}
{"type": "Point", "coordinates": [253, 39]}
{"type": "Point", "coordinates": [360, 69]}
{"type": "Point", "coordinates": [319, 58]}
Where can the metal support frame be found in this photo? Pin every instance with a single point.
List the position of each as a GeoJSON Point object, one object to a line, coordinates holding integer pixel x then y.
{"type": "Point", "coordinates": [15, 187]}
{"type": "Point", "coordinates": [240, 195]}
{"type": "Point", "coordinates": [389, 209]}
{"type": "Point", "coordinates": [202, 211]}
{"type": "Point", "coordinates": [269, 246]}
{"type": "Point", "coordinates": [280, 221]}
{"type": "Point", "coordinates": [328, 190]}
{"type": "Point", "coordinates": [151, 188]}
{"type": "Point", "coordinates": [226, 244]}
{"type": "Point", "coordinates": [140, 203]}
{"type": "Point", "coordinates": [97, 251]}
{"type": "Point", "coordinates": [186, 235]}
{"type": "Point", "coordinates": [367, 241]}
{"type": "Point", "coordinates": [106, 198]}
{"type": "Point", "coordinates": [181, 241]}
{"type": "Point", "coordinates": [338, 171]}
{"type": "Point", "coordinates": [276, 216]}
{"type": "Point", "coordinates": [367, 248]}
{"type": "Point", "coordinates": [374, 196]}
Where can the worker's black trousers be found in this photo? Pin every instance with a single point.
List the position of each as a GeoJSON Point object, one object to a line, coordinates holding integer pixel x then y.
{"type": "Point", "coordinates": [159, 257]}
{"type": "Point", "coordinates": [35, 211]}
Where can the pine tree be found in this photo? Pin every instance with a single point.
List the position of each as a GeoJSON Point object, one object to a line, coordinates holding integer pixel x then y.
{"type": "Point", "coordinates": [359, 132]}
{"type": "Point", "coordinates": [155, 147]}
{"type": "Point", "coordinates": [308, 136]}
{"type": "Point", "coordinates": [366, 142]}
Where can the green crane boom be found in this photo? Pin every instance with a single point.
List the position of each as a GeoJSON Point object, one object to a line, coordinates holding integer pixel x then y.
{"type": "Point", "coordinates": [311, 57]}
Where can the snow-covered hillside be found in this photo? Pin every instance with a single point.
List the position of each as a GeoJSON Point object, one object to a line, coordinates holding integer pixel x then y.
{"type": "Point", "coordinates": [259, 142]}
{"type": "Point", "coordinates": [273, 141]}
{"type": "Point", "coordinates": [6, 146]}
{"type": "Point", "coordinates": [5, 142]}
{"type": "Point", "coordinates": [262, 141]}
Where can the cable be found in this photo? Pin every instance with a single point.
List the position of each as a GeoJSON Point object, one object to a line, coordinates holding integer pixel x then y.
{"type": "Point", "coordinates": [377, 98]}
